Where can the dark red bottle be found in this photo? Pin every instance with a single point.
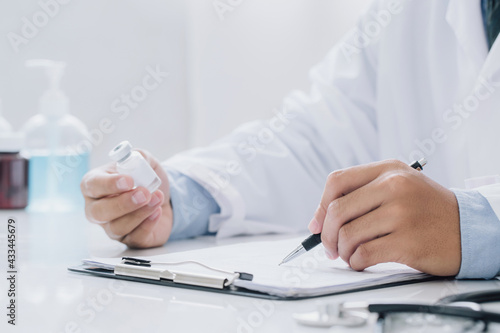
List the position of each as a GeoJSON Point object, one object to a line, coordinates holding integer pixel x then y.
{"type": "Point", "coordinates": [13, 172]}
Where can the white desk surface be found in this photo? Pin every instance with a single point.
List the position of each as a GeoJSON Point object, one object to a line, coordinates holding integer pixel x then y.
{"type": "Point", "coordinates": [51, 299]}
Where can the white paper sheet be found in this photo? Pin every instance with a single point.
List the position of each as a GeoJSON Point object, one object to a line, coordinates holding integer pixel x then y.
{"type": "Point", "coordinates": [309, 275]}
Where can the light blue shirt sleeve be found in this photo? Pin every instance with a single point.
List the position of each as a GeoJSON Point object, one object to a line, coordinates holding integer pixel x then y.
{"type": "Point", "coordinates": [192, 206]}
{"type": "Point", "coordinates": [480, 236]}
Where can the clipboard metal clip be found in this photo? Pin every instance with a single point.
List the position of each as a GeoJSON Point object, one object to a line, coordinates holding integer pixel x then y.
{"type": "Point", "coordinates": [141, 268]}
{"type": "Point", "coordinates": [136, 261]}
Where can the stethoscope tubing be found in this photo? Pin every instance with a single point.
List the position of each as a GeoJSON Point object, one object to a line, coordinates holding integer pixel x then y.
{"type": "Point", "coordinates": [475, 297]}
{"type": "Point", "coordinates": [448, 310]}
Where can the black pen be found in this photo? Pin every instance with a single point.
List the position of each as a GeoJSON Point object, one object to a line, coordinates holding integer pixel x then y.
{"type": "Point", "coordinates": [312, 241]}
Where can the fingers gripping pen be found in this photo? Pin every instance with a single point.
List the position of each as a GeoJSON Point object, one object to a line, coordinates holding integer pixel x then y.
{"type": "Point", "coordinates": [313, 240]}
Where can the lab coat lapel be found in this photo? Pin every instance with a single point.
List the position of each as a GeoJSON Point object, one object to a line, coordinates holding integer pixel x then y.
{"type": "Point", "coordinates": [491, 67]}
{"type": "Point", "coordinates": [465, 18]}
{"type": "Point", "coordinates": [483, 134]}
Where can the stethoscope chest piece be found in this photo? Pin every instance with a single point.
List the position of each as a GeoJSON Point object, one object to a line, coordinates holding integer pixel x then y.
{"type": "Point", "coordinates": [329, 315]}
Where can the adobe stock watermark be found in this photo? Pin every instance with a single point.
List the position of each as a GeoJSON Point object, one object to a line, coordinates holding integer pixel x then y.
{"type": "Point", "coordinates": [87, 310]}
{"type": "Point", "coordinates": [454, 117]}
{"type": "Point", "coordinates": [360, 38]}
{"type": "Point", "coordinates": [121, 107]}
{"type": "Point", "coordinates": [32, 25]}
{"type": "Point", "coordinates": [224, 7]}
{"type": "Point", "coordinates": [450, 288]}
{"type": "Point", "coordinates": [247, 150]}
{"type": "Point", "coordinates": [295, 276]}
{"type": "Point", "coordinates": [262, 310]}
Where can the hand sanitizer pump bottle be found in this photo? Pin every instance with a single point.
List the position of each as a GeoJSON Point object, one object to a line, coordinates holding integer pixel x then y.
{"type": "Point", "coordinates": [58, 146]}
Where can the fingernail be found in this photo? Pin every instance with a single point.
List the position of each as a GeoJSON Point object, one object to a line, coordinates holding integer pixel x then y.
{"type": "Point", "coordinates": [314, 226]}
{"type": "Point", "coordinates": [122, 184]}
{"type": "Point", "coordinates": [139, 198]}
{"type": "Point", "coordinates": [154, 201]}
{"type": "Point", "coordinates": [155, 215]}
{"type": "Point", "coordinates": [329, 254]}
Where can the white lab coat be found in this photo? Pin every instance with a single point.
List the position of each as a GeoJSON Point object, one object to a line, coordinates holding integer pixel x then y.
{"type": "Point", "coordinates": [423, 84]}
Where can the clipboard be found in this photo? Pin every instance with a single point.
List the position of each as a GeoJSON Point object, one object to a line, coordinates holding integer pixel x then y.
{"type": "Point", "coordinates": [141, 270]}
{"type": "Point", "coordinates": [145, 271]}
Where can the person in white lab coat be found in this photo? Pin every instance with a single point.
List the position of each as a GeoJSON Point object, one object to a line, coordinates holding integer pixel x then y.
{"type": "Point", "coordinates": [413, 79]}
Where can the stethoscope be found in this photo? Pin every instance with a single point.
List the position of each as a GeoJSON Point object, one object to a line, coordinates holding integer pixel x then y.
{"type": "Point", "coordinates": [352, 314]}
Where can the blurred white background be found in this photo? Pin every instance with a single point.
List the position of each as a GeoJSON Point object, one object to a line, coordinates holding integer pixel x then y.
{"type": "Point", "coordinates": [225, 67]}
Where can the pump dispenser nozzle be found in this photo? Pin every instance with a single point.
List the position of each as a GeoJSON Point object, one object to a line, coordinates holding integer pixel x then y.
{"type": "Point", "coordinates": [53, 102]}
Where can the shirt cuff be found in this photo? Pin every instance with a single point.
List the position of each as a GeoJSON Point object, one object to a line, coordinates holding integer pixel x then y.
{"type": "Point", "coordinates": [480, 236]}
{"type": "Point", "coordinates": [192, 206]}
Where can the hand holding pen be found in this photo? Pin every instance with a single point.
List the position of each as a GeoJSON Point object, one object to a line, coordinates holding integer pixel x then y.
{"type": "Point", "coordinates": [389, 212]}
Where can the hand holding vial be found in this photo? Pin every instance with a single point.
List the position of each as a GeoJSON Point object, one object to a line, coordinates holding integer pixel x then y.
{"type": "Point", "coordinates": [130, 198]}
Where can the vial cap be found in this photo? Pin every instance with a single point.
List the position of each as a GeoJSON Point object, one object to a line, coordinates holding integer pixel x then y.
{"type": "Point", "coordinates": [121, 151]}
{"type": "Point", "coordinates": [11, 142]}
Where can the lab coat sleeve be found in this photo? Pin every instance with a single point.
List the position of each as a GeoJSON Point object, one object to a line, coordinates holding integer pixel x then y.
{"type": "Point", "coordinates": [480, 235]}
{"type": "Point", "coordinates": [268, 175]}
{"type": "Point", "coordinates": [192, 206]}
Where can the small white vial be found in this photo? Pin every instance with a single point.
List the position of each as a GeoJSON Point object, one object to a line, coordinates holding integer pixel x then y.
{"type": "Point", "coordinates": [129, 162]}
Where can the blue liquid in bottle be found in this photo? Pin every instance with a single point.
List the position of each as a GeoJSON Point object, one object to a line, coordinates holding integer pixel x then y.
{"type": "Point", "coordinates": [55, 143]}
{"type": "Point", "coordinates": [54, 182]}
